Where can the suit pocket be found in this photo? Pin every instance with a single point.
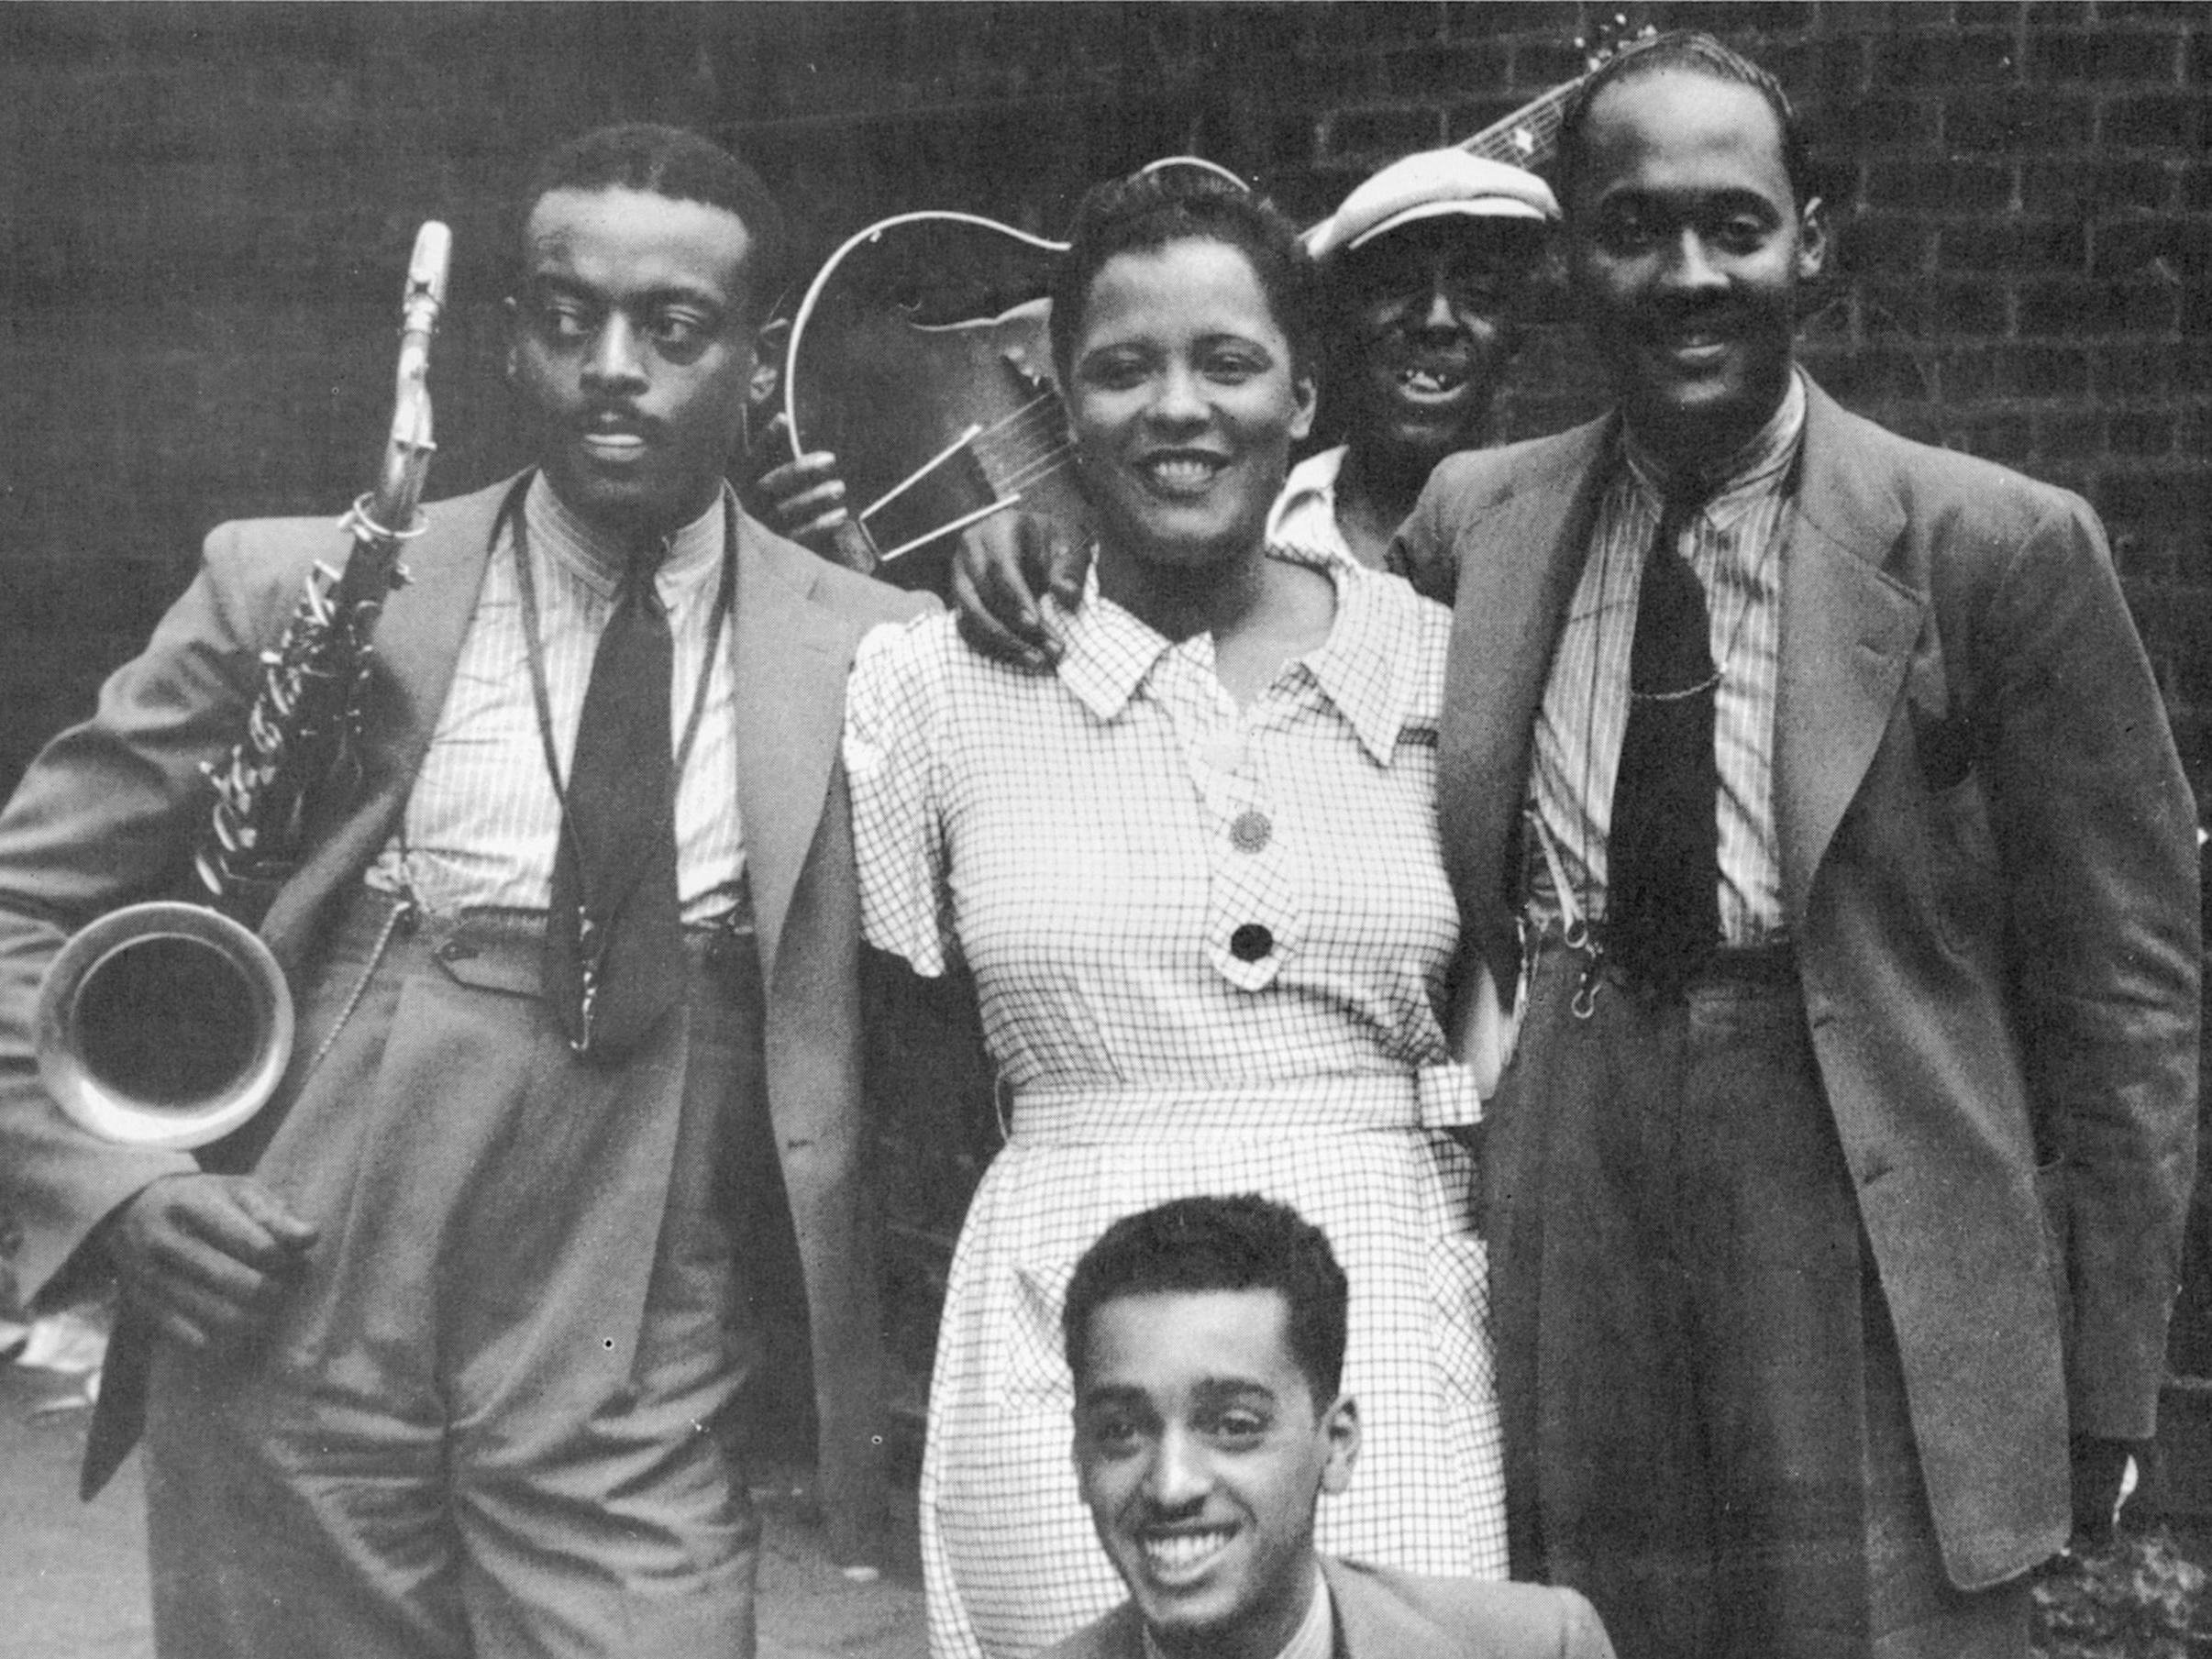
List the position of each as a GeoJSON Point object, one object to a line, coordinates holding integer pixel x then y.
{"type": "Point", "coordinates": [515, 973]}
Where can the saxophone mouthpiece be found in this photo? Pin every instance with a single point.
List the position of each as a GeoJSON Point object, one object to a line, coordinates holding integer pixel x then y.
{"type": "Point", "coordinates": [426, 270]}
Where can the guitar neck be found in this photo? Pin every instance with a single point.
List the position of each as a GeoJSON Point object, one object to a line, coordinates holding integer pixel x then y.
{"type": "Point", "coordinates": [1530, 136]}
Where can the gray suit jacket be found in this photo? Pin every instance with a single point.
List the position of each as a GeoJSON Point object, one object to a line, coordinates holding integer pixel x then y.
{"type": "Point", "coordinates": [109, 813]}
{"type": "Point", "coordinates": [1989, 870]}
{"type": "Point", "coordinates": [1382, 1614]}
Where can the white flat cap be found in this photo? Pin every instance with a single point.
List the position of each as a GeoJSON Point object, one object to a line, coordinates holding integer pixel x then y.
{"type": "Point", "coordinates": [1429, 184]}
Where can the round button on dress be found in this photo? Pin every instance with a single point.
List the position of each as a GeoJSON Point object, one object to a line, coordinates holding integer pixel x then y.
{"type": "Point", "coordinates": [1251, 831]}
{"type": "Point", "coordinates": [1251, 942]}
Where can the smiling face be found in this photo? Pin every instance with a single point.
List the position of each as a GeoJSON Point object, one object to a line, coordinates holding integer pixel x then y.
{"type": "Point", "coordinates": [1183, 401]}
{"type": "Point", "coordinates": [631, 350]}
{"type": "Point", "coordinates": [1427, 334]}
{"type": "Point", "coordinates": [1687, 247]}
{"type": "Point", "coordinates": [1200, 1449]}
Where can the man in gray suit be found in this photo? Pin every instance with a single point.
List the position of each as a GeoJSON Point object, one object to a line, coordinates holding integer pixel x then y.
{"type": "Point", "coordinates": [1814, 787]}
{"type": "Point", "coordinates": [1206, 1336]}
{"type": "Point", "coordinates": [429, 1366]}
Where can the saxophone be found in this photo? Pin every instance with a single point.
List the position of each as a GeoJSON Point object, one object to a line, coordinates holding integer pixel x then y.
{"type": "Point", "coordinates": [300, 734]}
{"type": "Point", "coordinates": [168, 1024]}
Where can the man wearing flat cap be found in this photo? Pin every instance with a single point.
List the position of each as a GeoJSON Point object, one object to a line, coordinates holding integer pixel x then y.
{"type": "Point", "coordinates": [1423, 266]}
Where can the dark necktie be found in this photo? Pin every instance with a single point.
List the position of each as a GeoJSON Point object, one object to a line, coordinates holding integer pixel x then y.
{"type": "Point", "coordinates": [1663, 853]}
{"type": "Point", "coordinates": [614, 934]}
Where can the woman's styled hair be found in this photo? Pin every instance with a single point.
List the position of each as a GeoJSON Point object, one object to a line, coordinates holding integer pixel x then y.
{"type": "Point", "coordinates": [1148, 211]}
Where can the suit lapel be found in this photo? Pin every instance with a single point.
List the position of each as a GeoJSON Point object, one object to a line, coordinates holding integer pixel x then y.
{"type": "Point", "coordinates": [419, 639]}
{"type": "Point", "coordinates": [789, 664]}
{"type": "Point", "coordinates": [417, 642]}
{"type": "Point", "coordinates": [1520, 562]}
{"type": "Point", "coordinates": [1371, 1623]}
{"type": "Point", "coordinates": [1847, 634]}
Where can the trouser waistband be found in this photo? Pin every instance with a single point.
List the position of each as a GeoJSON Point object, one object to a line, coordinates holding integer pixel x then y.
{"type": "Point", "coordinates": [1770, 966]}
{"type": "Point", "coordinates": [498, 950]}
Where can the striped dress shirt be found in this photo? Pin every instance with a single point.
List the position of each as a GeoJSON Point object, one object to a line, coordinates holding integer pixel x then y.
{"type": "Point", "coordinates": [482, 822]}
{"type": "Point", "coordinates": [1732, 546]}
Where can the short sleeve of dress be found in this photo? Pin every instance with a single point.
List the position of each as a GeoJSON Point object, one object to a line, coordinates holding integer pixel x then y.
{"type": "Point", "coordinates": [894, 708]}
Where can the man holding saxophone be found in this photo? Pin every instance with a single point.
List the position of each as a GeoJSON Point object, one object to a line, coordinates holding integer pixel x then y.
{"type": "Point", "coordinates": [432, 1347]}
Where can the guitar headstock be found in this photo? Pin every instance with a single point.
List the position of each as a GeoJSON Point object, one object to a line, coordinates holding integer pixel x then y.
{"type": "Point", "coordinates": [1608, 39]}
{"type": "Point", "coordinates": [1529, 137]}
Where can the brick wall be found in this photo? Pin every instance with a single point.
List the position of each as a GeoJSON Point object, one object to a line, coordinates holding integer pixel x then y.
{"type": "Point", "coordinates": [207, 210]}
{"type": "Point", "coordinates": [207, 207]}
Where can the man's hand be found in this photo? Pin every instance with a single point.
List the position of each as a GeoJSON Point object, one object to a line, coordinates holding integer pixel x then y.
{"type": "Point", "coordinates": [1002, 566]}
{"type": "Point", "coordinates": [2099, 1471]}
{"type": "Point", "coordinates": [206, 1255]}
{"type": "Point", "coordinates": [804, 499]}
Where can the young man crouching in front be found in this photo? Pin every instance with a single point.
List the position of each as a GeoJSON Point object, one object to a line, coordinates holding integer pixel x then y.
{"type": "Point", "coordinates": [1207, 1338]}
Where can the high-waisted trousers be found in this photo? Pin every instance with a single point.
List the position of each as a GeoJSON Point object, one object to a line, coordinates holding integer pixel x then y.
{"type": "Point", "coordinates": [1705, 1424]}
{"type": "Point", "coordinates": [484, 1421]}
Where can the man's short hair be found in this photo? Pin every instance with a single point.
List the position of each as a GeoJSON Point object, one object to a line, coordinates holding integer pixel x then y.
{"type": "Point", "coordinates": [683, 166]}
{"type": "Point", "coordinates": [1146, 212]}
{"type": "Point", "coordinates": [1697, 53]}
{"type": "Point", "coordinates": [1197, 1244]}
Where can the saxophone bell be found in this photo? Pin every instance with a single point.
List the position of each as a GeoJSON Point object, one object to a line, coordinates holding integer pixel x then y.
{"type": "Point", "coordinates": [163, 1025]}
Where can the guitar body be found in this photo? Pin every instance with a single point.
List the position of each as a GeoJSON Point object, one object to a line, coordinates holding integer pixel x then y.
{"type": "Point", "coordinates": [920, 357]}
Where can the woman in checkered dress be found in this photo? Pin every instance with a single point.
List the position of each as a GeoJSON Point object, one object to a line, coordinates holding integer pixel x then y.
{"type": "Point", "coordinates": [1197, 876]}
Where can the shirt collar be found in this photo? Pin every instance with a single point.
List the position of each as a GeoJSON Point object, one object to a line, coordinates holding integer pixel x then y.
{"type": "Point", "coordinates": [1364, 666]}
{"type": "Point", "coordinates": [1755, 468]}
{"type": "Point", "coordinates": [1107, 651]}
{"type": "Point", "coordinates": [1361, 667]}
{"type": "Point", "coordinates": [594, 559]}
{"type": "Point", "coordinates": [1308, 496]}
{"type": "Point", "coordinates": [1315, 1637]}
